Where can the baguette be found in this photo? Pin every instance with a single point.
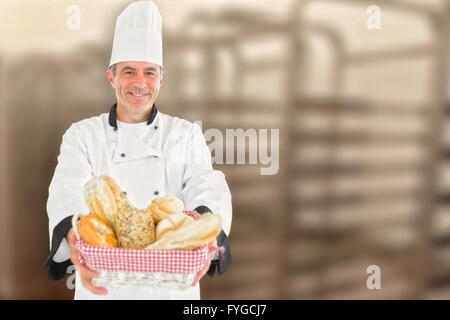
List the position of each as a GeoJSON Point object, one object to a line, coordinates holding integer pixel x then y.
{"type": "Point", "coordinates": [172, 223]}
{"type": "Point", "coordinates": [190, 236]}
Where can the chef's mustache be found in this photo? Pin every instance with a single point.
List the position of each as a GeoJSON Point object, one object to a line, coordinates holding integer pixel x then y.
{"type": "Point", "coordinates": [139, 90]}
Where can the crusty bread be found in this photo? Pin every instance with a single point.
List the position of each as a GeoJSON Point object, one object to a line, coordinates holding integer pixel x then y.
{"type": "Point", "coordinates": [96, 231]}
{"type": "Point", "coordinates": [172, 223]}
{"type": "Point", "coordinates": [103, 197]}
{"type": "Point", "coordinates": [165, 206]}
{"type": "Point", "coordinates": [192, 235]}
{"type": "Point", "coordinates": [134, 228]}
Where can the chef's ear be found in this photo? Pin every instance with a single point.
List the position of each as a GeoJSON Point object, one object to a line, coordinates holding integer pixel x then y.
{"type": "Point", "coordinates": [110, 78]}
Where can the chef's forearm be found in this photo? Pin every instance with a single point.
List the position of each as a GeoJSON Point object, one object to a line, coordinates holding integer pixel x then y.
{"type": "Point", "coordinates": [59, 258]}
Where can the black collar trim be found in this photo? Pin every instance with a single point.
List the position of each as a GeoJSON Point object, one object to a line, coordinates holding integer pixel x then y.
{"type": "Point", "coordinates": [113, 116]}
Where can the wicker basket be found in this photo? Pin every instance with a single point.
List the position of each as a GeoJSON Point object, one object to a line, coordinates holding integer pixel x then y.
{"type": "Point", "coordinates": [174, 269]}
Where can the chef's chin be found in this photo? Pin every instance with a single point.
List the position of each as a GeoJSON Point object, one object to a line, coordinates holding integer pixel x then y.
{"type": "Point", "coordinates": [140, 105]}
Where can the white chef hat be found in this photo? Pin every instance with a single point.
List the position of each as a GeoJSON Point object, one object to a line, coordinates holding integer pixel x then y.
{"type": "Point", "coordinates": [138, 34]}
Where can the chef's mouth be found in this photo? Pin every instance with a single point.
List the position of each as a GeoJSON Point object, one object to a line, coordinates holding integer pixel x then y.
{"type": "Point", "coordinates": [138, 94]}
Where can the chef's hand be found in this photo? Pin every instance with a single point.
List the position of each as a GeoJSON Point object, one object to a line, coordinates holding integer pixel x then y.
{"type": "Point", "coordinates": [202, 272]}
{"type": "Point", "coordinates": [86, 274]}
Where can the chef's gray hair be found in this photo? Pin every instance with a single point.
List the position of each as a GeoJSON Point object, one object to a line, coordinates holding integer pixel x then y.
{"type": "Point", "coordinates": [113, 69]}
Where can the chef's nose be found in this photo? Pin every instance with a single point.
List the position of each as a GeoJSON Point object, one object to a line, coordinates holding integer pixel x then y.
{"type": "Point", "coordinates": [139, 80]}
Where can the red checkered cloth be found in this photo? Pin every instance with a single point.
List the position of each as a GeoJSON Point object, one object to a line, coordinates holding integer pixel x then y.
{"type": "Point", "coordinates": [140, 260]}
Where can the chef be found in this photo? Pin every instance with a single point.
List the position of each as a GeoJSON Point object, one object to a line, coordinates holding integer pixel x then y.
{"type": "Point", "coordinates": [149, 154]}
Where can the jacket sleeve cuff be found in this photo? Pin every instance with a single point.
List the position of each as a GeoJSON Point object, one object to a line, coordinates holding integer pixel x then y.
{"type": "Point", "coordinates": [222, 240]}
{"type": "Point", "coordinates": [58, 270]}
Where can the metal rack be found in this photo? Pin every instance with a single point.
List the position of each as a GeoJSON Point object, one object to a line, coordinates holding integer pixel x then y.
{"type": "Point", "coordinates": [438, 281]}
{"type": "Point", "coordinates": [338, 219]}
{"type": "Point", "coordinates": [357, 175]}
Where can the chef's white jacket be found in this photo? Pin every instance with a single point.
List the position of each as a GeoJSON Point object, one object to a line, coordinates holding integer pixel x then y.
{"type": "Point", "coordinates": [169, 157]}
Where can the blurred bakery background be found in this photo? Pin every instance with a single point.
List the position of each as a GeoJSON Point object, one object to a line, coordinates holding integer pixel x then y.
{"type": "Point", "coordinates": [358, 91]}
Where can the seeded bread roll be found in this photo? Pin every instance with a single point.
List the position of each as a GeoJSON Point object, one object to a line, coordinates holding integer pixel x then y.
{"type": "Point", "coordinates": [96, 231]}
{"type": "Point", "coordinates": [134, 228]}
{"type": "Point", "coordinates": [165, 206]}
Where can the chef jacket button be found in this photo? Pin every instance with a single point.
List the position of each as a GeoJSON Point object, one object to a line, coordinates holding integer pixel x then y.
{"type": "Point", "coordinates": [156, 127]}
{"type": "Point", "coordinates": [156, 193]}
{"type": "Point", "coordinates": [122, 155]}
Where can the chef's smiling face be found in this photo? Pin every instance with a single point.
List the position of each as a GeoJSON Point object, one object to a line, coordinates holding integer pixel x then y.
{"type": "Point", "coordinates": [137, 85]}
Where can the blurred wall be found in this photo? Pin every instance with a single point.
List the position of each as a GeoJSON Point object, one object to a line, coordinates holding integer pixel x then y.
{"type": "Point", "coordinates": [358, 114]}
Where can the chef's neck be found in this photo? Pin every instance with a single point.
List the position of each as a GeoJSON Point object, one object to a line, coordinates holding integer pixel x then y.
{"type": "Point", "coordinates": [124, 115]}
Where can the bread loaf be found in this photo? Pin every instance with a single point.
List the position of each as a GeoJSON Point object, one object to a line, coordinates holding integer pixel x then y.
{"type": "Point", "coordinates": [134, 228]}
{"type": "Point", "coordinates": [103, 197]}
{"type": "Point", "coordinates": [96, 231]}
{"type": "Point", "coordinates": [190, 236]}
